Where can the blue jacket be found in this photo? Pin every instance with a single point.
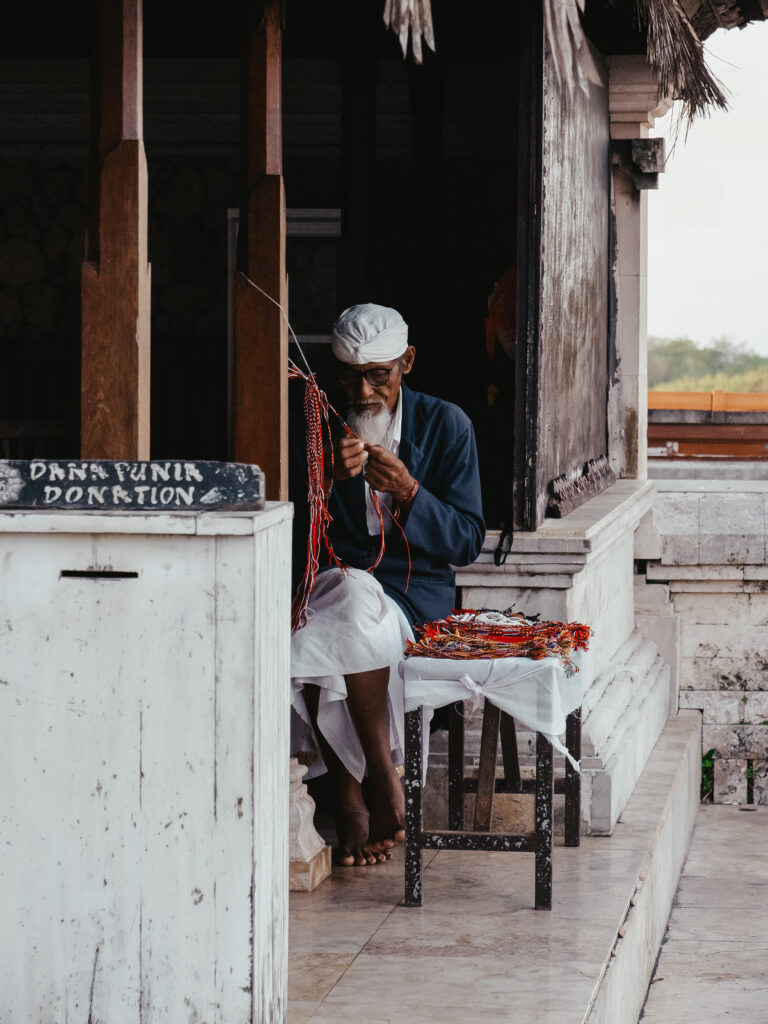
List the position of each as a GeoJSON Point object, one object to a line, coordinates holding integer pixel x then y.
{"type": "Point", "coordinates": [444, 526]}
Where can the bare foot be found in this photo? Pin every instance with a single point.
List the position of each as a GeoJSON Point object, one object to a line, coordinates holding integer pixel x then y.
{"type": "Point", "coordinates": [354, 849]}
{"type": "Point", "coordinates": [387, 806]}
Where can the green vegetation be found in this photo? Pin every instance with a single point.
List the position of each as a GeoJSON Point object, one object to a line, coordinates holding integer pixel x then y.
{"type": "Point", "coordinates": [707, 776]}
{"type": "Point", "coordinates": [678, 364]}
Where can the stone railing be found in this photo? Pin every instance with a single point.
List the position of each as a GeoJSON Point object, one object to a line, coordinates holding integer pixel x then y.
{"type": "Point", "coordinates": [711, 567]}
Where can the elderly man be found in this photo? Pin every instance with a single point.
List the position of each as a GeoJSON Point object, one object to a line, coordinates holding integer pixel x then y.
{"type": "Point", "coordinates": [418, 454]}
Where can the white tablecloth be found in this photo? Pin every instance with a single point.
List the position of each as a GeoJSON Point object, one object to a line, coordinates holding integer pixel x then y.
{"type": "Point", "coordinates": [537, 693]}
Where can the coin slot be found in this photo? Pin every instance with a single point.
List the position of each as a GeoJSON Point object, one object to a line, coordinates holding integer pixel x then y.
{"type": "Point", "coordinates": [97, 574]}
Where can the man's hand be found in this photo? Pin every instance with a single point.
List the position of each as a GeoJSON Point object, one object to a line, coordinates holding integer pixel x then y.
{"type": "Point", "coordinates": [386, 473]}
{"type": "Point", "coordinates": [349, 458]}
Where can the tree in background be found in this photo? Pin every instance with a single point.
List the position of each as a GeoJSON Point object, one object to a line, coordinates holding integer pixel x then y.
{"type": "Point", "coordinates": [679, 364]}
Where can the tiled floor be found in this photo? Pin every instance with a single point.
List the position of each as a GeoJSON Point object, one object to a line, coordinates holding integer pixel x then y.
{"type": "Point", "coordinates": [476, 951]}
{"type": "Point", "coordinates": [713, 964]}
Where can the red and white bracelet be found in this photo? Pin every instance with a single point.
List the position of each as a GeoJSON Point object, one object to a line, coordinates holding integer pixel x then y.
{"type": "Point", "coordinates": [411, 493]}
{"type": "Point", "coordinates": [405, 501]}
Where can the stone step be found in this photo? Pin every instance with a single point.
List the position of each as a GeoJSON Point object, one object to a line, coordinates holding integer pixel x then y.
{"type": "Point", "coordinates": [640, 705]}
{"type": "Point", "coordinates": [713, 964]}
{"type": "Point", "coordinates": [608, 784]}
{"type": "Point", "coordinates": [477, 950]}
{"type": "Point", "coordinates": [629, 680]}
{"type": "Point", "coordinates": [660, 815]}
{"type": "Point", "coordinates": [601, 683]}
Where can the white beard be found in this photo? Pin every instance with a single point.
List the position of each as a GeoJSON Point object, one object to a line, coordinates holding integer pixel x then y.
{"type": "Point", "coordinates": [375, 426]}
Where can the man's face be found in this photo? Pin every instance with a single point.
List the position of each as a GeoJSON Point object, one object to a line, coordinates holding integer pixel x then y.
{"type": "Point", "coordinates": [373, 387]}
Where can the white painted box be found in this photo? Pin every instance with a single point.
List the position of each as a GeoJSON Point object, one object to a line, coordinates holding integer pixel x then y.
{"type": "Point", "coordinates": [144, 667]}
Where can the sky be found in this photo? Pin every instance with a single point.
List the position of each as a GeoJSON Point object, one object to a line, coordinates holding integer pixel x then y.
{"type": "Point", "coordinates": [708, 221]}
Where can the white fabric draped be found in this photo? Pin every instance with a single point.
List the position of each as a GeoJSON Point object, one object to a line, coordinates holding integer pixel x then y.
{"type": "Point", "coordinates": [537, 693]}
{"type": "Point", "coordinates": [352, 627]}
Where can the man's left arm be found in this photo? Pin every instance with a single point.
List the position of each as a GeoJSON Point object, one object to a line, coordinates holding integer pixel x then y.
{"type": "Point", "coordinates": [444, 516]}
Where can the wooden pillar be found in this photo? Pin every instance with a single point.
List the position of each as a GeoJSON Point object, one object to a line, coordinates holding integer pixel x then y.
{"type": "Point", "coordinates": [358, 71]}
{"type": "Point", "coordinates": [116, 275]}
{"type": "Point", "coordinates": [261, 334]}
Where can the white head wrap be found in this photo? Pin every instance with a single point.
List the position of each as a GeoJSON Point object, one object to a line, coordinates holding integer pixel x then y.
{"type": "Point", "coordinates": [369, 334]}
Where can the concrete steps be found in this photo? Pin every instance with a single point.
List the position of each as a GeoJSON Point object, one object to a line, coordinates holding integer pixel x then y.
{"type": "Point", "coordinates": [622, 722]}
{"type": "Point", "coordinates": [477, 950]}
{"type": "Point", "coordinates": [660, 815]}
{"type": "Point", "coordinates": [713, 964]}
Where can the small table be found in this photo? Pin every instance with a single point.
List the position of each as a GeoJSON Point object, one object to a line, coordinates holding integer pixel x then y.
{"type": "Point", "coordinates": [542, 697]}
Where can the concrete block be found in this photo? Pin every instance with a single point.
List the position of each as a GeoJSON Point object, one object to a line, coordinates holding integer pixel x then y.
{"type": "Point", "coordinates": [731, 529]}
{"type": "Point", "coordinates": [760, 782]}
{"type": "Point", "coordinates": [706, 586]}
{"type": "Point", "coordinates": [707, 673]}
{"type": "Point", "coordinates": [679, 528]}
{"type": "Point", "coordinates": [603, 598]}
{"type": "Point", "coordinates": [306, 875]}
{"type": "Point", "coordinates": [647, 543]}
{"type": "Point", "coordinates": [706, 609]}
{"type": "Point", "coordinates": [650, 595]}
{"type": "Point", "coordinates": [657, 571]}
{"type": "Point", "coordinates": [550, 604]}
{"type": "Point", "coordinates": [736, 741]}
{"type": "Point", "coordinates": [663, 629]}
{"type": "Point", "coordinates": [726, 707]}
{"type": "Point", "coordinates": [730, 780]}
{"type": "Point", "coordinates": [724, 641]}
{"type": "Point", "coordinates": [680, 549]}
{"type": "Point", "coordinates": [757, 607]}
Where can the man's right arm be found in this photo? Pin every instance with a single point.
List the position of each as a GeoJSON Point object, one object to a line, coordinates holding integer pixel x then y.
{"type": "Point", "coordinates": [349, 457]}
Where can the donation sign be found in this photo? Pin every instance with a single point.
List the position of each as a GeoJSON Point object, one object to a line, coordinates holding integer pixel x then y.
{"type": "Point", "coordinates": [110, 486]}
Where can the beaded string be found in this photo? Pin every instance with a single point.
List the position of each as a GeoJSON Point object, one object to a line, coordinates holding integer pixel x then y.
{"type": "Point", "coordinates": [317, 413]}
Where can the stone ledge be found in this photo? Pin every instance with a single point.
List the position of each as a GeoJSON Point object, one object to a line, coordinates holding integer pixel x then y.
{"type": "Point", "coordinates": [668, 791]}
{"type": "Point", "coordinates": [221, 523]}
{"type": "Point", "coordinates": [585, 532]}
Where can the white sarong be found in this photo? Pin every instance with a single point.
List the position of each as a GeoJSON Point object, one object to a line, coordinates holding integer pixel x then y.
{"type": "Point", "coordinates": [352, 627]}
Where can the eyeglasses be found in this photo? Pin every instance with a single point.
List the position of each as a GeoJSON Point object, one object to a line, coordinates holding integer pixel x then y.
{"type": "Point", "coordinates": [376, 377]}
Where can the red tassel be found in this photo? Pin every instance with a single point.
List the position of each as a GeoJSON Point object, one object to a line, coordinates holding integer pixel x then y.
{"type": "Point", "coordinates": [317, 412]}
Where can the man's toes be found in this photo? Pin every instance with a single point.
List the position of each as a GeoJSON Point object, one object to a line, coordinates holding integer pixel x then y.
{"type": "Point", "coordinates": [374, 854]}
{"type": "Point", "coordinates": [396, 839]}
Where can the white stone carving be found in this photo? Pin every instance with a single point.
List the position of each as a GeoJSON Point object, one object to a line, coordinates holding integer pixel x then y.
{"type": "Point", "coordinates": [310, 858]}
{"type": "Point", "coordinates": [633, 97]}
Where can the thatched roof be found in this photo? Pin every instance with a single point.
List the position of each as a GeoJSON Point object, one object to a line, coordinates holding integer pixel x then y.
{"type": "Point", "coordinates": [707, 16]}
{"type": "Point", "coordinates": [674, 30]}
{"type": "Point", "coordinates": [677, 57]}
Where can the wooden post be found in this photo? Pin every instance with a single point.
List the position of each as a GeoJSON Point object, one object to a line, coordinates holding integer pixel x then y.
{"type": "Point", "coordinates": [358, 71]}
{"type": "Point", "coordinates": [261, 334]}
{"type": "Point", "coordinates": [116, 275]}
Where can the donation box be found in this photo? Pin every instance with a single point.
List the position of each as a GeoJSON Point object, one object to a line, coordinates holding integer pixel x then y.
{"type": "Point", "coordinates": [144, 701]}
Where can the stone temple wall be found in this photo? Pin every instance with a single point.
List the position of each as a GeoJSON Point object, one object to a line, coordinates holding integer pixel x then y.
{"type": "Point", "coordinates": [712, 569]}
